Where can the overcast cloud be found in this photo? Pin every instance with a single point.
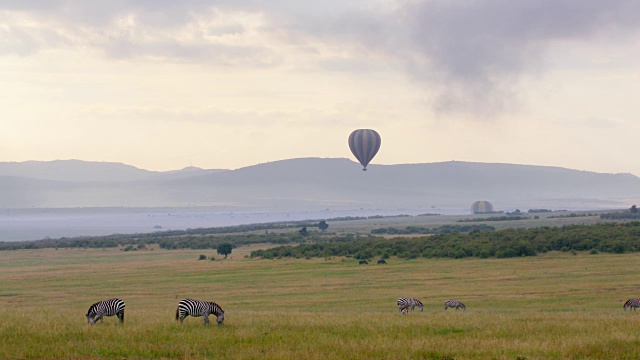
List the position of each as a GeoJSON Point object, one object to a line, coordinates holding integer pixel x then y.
{"type": "Point", "coordinates": [474, 52]}
{"type": "Point", "coordinates": [438, 65]}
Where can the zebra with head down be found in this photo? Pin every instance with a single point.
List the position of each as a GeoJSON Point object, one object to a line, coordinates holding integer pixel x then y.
{"type": "Point", "coordinates": [631, 304]}
{"type": "Point", "coordinates": [109, 307]}
{"type": "Point", "coordinates": [454, 304]}
{"type": "Point", "coordinates": [191, 307]}
{"type": "Point", "coordinates": [406, 303]}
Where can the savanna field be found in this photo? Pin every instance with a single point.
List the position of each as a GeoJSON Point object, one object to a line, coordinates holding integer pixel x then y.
{"type": "Point", "coordinates": [551, 306]}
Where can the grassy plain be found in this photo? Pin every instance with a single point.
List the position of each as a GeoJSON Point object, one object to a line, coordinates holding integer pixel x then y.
{"type": "Point", "coordinates": [552, 306]}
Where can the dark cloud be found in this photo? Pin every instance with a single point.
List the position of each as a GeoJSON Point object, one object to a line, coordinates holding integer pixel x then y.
{"type": "Point", "coordinates": [472, 53]}
{"type": "Point", "coordinates": [477, 50]}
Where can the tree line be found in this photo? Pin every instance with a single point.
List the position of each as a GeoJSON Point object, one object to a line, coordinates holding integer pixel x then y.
{"type": "Point", "coordinates": [496, 218]}
{"type": "Point", "coordinates": [444, 229]}
{"type": "Point", "coordinates": [132, 243]}
{"type": "Point", "coordinates": [479, 241]}
{"type": "Point", "coordinates": [604, 237]}
{"type": "Point", "coordinates": [632, 214]}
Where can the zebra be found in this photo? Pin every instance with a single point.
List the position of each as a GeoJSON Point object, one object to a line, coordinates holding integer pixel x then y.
{"type": "Point", "coordinates": [454, 304]}
{"type": "Point", "coordinates": [197, 308]}
{"type": "Point", "coordinates": [409, 303]}
{"type": "Point", "coordinates": [109, 307]}
{"type": "Point", "coordinates": [631, 304]}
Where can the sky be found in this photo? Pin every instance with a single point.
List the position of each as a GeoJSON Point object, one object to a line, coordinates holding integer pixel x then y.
{"type": "Point", "coordinates": [162, 85]}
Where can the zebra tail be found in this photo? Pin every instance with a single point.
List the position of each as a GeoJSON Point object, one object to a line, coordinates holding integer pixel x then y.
{"type": "Point", "coordinates": [177, 313]}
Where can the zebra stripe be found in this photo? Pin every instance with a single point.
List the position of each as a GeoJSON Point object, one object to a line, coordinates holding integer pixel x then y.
{"type": "Point", "coordinates": [631, 304]}
{"type": "Point", "coordinates": [109, 307]}
{"type": "Point", "coordinates": [409, 303]}
{"type": "Point", "coordinates": [190, 307]}
{"type": "Point", "coordinates": [454, 304]}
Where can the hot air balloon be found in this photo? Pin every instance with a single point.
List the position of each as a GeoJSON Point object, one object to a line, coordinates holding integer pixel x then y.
{"type": "Point", "coordinates": [481, 207]}
{"type": "Point", "coordinates": [364, 144]}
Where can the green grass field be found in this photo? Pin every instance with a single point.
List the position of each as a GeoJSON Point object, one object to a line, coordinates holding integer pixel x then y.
{"type": "Point", "coordinates": [552, 306]}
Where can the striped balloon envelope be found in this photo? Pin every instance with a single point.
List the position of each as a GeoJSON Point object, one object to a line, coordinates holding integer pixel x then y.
{"type": "Point", "coordinates": [364, 144]}
{"type": "Point", "coordinates": [481, 207]}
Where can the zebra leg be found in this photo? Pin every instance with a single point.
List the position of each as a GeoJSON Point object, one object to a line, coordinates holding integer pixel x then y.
{"type": "Point", "coordinates": [206, 319]}
{"type": "Point", "coordinates": [121, 317]}
{"type": "Point", "coordinates": [182, 317]}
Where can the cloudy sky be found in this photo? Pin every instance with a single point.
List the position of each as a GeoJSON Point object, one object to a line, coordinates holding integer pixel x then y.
{"type": "Point", "coordinates": [162, 84]}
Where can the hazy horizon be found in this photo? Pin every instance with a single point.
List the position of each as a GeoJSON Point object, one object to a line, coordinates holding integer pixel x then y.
{"type": "Point", "coordinates": [355, 161]}
{"type": "Point", "coordinates": [74, 198]}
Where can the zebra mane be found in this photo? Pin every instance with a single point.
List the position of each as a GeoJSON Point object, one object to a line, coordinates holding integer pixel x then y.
{"type": "Point", "coordinates": [216, 306]}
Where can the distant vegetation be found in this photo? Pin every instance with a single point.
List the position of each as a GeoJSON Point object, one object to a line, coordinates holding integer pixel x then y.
{"type": "Point", "coordinates": [572, 215]}
{"type": "Point", "coordinates": [200, 238]}
{"type": "Point", "coordinates": [312, 240]}
{"type": "Point", "coordinates": [632, 214]}
{"type": "Point", "coordinates": [496, 218]}
{"type": "Point", "coordinates": [139, 241]}
{"type": "Point", "coordinates": [607, 237]}
{"type": "Point", "coordinates": [444, 229]}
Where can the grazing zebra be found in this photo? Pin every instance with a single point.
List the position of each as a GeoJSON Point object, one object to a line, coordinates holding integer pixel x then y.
{"type": "Point", "coordinates": [409, 303]}
{"type": "Point", "coordinates": [196, 308]}
{"type": "Point", "coordinates": [109, 307]}
{"type": "Point", "coordinates": [454, 304]}
{"type": "Point", "coordinates": [632, 304]}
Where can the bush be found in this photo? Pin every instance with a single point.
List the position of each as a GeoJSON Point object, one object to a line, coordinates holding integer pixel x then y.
{"type": "Point", "coordinates": [202, 257]}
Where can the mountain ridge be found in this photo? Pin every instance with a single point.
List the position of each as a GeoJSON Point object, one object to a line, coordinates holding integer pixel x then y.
{"type": "Point", "coordinates": [310, 182]}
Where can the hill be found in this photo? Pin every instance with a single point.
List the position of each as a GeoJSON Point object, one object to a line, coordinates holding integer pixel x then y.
{"type": "Point", "coordinates": [313, 183]}
{"type": "Point", "coordinates": [87, 171]}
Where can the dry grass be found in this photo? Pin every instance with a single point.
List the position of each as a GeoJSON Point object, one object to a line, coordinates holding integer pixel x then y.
{"type": "Point", "coordinates": [551, 306]}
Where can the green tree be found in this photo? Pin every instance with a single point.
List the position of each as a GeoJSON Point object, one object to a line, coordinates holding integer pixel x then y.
{"type": "Point", "coordinates": [225, 249]}
{"type": "Point", "coordinates": [633, 210]}
{"type": "Point", "coordinates": [303, 231]}
{"type": "Point", "coordinates": [322, 225]}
